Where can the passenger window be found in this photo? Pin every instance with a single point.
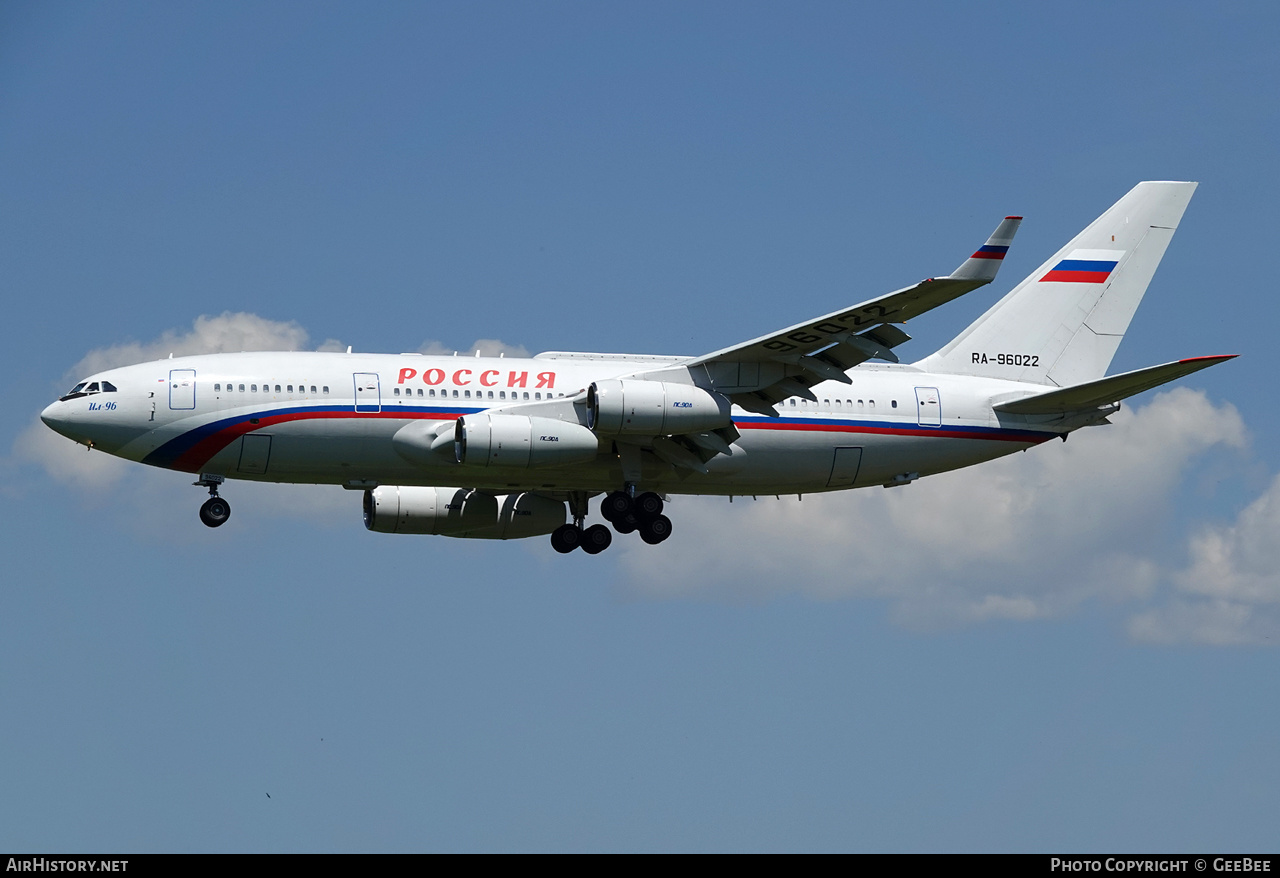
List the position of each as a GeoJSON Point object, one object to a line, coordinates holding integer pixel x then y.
{"type": "Point", "coordinates": [253, 387]}
{"type": "Point", "coordinates": [396, 391]}
{"type": "Point", "coordinates": [467, 394]}
{"type": "Point", "coordinates": [893, 404]}
{"type": "Point", "coordinates": [502, 394]}
{"type": "Point", "coordinates": [535, 396]}
{"type": "Point", "coordinates": [431, 392]}
{"type": "Point", "coordinates": [526, 394]}
{"type": "Point", "coordinates": [490, 394]}
{"type": "Point", "coordinates": [277, 388]}
{"type": "Point", "coordinates": [793, 402]}
{"type": "Point", "coordinates": [217, 387]}
{"type": "Point", "coordinates": [455, 394]}
{"type": "Point", "coordinates": [419, 391]}
{"type": "Point", "coordinates": [326, 389]}
{"type": "Point", "coordinates": [872, 404]}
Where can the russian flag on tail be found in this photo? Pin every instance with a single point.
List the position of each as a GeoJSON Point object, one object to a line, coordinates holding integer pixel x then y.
{"type": "Point", "coordinates": [991, 251]}
{"type": "Point", "coordinates": [1084, 267]}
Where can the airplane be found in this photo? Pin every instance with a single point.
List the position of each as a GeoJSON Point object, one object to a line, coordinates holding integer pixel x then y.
{"type": "Point", "coordinates": [507, 448]}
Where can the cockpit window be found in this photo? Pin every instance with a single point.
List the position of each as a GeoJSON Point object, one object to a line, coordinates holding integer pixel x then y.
{"type": "Point", "coordinates": [74, 393]}
{"type": "Point", "coordinates": [84, 388]}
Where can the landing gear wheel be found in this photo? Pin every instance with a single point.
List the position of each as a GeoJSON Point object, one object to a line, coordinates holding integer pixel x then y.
{"type": "Point", "coordinates": [596, 539]}
{"type": "Point", "coordinates": [648, 505]}
{"type": "Point", "coordinates": [655, 530]}
{"type": "Point", "coordinates": [615, 506]}
{"type": "Point", "coordinates": [215, 512]}
{"type": "Point", "coordinates": [627, 524]}
{"type": "Point", "coordinates": [566, 538]}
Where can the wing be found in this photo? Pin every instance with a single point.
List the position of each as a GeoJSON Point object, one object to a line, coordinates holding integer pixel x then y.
{"type": "Point", "coordinates": [786, 363]}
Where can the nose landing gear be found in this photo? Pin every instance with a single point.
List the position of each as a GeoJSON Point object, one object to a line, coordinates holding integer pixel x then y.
{"type": "Point", "coordinates": [215, 511]}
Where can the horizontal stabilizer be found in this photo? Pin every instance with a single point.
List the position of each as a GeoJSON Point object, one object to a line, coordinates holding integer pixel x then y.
{"type": "Point", "coordinates": [1107, 390]}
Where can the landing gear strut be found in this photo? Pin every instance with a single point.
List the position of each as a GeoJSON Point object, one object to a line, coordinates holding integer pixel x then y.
{"type": "Point", "coordinates": [215, 511]}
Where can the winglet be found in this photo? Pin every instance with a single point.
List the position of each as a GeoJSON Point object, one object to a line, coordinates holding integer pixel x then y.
{"type": "Point", "coordinates": [985, 261]}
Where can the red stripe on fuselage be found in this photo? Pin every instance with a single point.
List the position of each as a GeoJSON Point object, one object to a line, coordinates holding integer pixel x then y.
{"type": "Point", "coordinates": [1023, 436]}
{"type": "Point", "coordinates": [194, 458]}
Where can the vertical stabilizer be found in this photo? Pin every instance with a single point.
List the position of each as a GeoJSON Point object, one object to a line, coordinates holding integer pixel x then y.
{"type": "Point", "coordinates": [1061, 326]}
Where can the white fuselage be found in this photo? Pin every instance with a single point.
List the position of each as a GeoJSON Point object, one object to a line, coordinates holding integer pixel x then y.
{"type": "Point", "coordinates": [329, 418]}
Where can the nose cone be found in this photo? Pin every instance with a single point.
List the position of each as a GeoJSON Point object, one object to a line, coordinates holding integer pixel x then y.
{"type": "Point", "coordinates": [59, 418]}
{"type": "Point", "coordinates": [54, 417]}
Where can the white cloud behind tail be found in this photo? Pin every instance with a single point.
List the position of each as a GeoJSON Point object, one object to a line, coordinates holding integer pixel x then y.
{"type": "Point", "coordinates": [1230, 591]}
{"type": "Point", "coordinates": [1032, 536]}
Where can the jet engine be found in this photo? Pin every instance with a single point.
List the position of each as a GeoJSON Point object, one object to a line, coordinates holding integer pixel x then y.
{"type": "Point", "coordinates": [622, 406]}
{"type": "Point", "coordinates": [460, 512]}
{"type": "Point", "coordinates": [516, 440]}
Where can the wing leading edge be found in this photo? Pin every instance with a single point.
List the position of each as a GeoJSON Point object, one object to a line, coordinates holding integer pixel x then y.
{"type": "Point", "coordinates": [758, 373]}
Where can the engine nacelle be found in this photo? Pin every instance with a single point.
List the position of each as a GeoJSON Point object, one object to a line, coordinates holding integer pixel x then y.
{"type": "Point", "coordinates": [654, 408]}
{"type": "Point", "coordinates": [460, 512]}
{"type": "Point", "coordinates": [516, 440]}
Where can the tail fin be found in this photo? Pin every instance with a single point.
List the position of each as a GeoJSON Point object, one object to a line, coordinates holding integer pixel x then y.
{"type": "Point", "coordinates": [1062, 325]}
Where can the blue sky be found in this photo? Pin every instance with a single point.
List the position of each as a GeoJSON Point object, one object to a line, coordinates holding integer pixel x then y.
{"type": "Point", "coordinates": [1068, 651]}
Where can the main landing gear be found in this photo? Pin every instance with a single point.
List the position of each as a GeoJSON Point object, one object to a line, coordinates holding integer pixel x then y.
{"type": "Point", "coordinates": [642, 513]}
{"type": "Point", "coordinates": [567, 537]}
{"type": "Point", "coordinates": [215, 511]}
{"type": "Point", "coordinates": [626, 513]}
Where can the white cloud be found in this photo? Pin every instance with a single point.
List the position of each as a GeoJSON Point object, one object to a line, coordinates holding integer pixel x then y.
{"type": "Point", "coordinates": [72, 464]}
{"type": "Point", "coordinates": [208, 335]}
{"type": "Point", "coordinates": [1029, 536]}
{"type": "Point", "coordinates": [1211, 622]}
{"type": "Point", "coordinates": [1240, 561]}
{"type": "Point", "coordinates": [151, 494]}
{"type": "Point", "coordinates": [1229, 592]}
{"type": "Point", "coordinates": [68, 462]}
{"type": "Point", "coordinates": [486, 347]}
